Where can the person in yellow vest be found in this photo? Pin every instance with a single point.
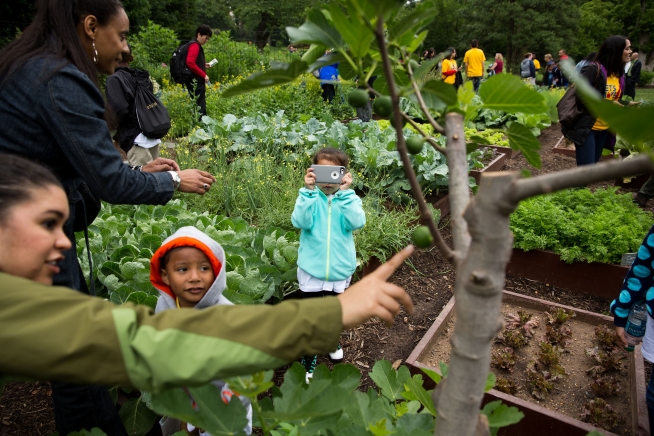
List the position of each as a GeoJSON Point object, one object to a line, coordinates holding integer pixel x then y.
{"type": "Point", "coordinates": [449, 68]}
{"type": "Point", "coordinates": [474, 64]}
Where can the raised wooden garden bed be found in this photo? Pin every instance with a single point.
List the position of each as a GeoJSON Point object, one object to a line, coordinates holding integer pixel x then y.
{"type": "Point", "coordinates": [601, 279]}
{"type": "Point", "coordinates": [540, 420]}
{"type": "Point", "coordinates": [510, 153]}
{"type": "Point", "coordinates": [561, 149]}
{"type": "Point", "coordinates": [494, 165]}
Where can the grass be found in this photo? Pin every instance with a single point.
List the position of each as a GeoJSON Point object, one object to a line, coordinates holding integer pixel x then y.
{"type": "Point", "coordinates": [645, 94]}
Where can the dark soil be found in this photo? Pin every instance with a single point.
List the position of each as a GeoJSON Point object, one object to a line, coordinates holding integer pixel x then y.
{"type": "Point", "coordinates": [570, 393]}
{"type": "Point", "coordinates": [25, 408]}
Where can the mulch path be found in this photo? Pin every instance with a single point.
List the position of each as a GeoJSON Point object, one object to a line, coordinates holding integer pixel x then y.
{"type": "Point", "coordinates": [25, 408]}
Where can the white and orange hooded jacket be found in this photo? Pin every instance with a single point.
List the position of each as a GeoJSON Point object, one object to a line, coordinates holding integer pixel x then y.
{"type": "Point", "coordinates": [190, 237]}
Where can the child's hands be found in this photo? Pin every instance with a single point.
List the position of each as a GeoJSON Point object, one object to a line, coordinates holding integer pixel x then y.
{"type": "Point", "coordinates": [310, 179]}
{"type": "Point", "coordinates": [619, 331]}
{"type": "Point", "coordinates": [374, 296]}
{"type": "Point", "coordinates": [346, 181]}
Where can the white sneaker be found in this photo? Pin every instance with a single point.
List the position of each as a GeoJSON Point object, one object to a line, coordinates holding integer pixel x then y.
{"type": "Point", "coordinates": [337, 356]}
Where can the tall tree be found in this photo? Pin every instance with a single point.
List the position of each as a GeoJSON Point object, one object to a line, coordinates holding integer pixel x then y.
{"type": "Point", "coordinates": [258, 20]}
{"type": "Point", "coordinates": [513, 27]}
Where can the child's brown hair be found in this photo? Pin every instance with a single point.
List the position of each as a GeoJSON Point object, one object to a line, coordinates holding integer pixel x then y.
{"type": "Point", "coordinates": [331, 154]}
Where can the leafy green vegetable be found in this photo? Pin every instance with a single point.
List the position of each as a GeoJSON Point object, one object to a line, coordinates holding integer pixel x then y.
{"type": "Point", "coordinates": [581, 225]}
{"type": "Point", "coordinates": [261, 263]}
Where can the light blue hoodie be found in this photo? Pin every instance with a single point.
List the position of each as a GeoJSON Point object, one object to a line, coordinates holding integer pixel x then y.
{"type": "Point", "coordinates": [326, 243]}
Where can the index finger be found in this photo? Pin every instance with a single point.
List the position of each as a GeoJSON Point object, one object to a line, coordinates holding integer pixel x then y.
{"type": "Point", "coordinates": [206, 174]}
{"type": "Point", "coordinates": [387, 269]}
{"type": "Point", "coordinates": [400, 295]}
{"type": "Point", "coordinates": [170, 162]}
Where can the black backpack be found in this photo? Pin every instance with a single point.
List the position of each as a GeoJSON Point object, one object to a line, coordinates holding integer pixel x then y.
{"type": "Point", "coordinates": [179, 71]}
{"type": "Point", "coordinates": [151, 113]}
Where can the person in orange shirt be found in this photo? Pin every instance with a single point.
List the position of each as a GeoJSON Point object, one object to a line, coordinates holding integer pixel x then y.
{"type": "Point", "coordinates": [449, 67]}
{"type": "Point", "coordinates": [474, 64]}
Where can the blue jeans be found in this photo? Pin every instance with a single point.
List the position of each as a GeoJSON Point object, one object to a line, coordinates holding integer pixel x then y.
{"type": "Point", "coordinates": [590, 151]}
{"type": "Point", "coordinates": [650, 401]}
{"type": "Point", "coordinates": [475, 82]}
{"type": "Point", "coordinates": [78, 407]}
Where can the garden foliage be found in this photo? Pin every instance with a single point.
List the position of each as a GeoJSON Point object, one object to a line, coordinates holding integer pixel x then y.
{"type": "Point", "coordinates": [330, 404]}
{"type": "Point", "coordinates": [581, 225]}
{"type": "Point", "coordinates": [261, 263]}
{"type": "Point", "coordinates": [375, 162]}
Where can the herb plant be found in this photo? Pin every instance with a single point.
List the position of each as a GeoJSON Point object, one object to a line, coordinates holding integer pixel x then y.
{"type": "Point", "coordinates": [599, 412]}
{"type": "Point", "coordinates": [581, 225]}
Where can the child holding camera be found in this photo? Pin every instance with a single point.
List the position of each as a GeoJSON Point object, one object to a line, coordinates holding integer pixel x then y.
{"type": "Point", "coordinates": [326, 216]}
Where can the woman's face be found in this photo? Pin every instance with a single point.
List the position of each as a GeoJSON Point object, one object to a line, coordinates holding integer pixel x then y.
{"type": "Point", "coordinates": [110, 42]}
{"type": "Point", "coordinates": [626, 54]}
{"type": "Point", "coordinates": [32, 238]}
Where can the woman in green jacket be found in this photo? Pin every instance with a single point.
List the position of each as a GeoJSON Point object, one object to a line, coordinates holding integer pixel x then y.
{"type": "Point", "coordinates": [51, 333]}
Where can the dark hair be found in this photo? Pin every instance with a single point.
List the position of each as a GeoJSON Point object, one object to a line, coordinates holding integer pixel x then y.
{"type": "Point", "coordinates": [474, 43]}
{"type": "Point", "coordinates": [53, 34]}
{"type": "Point", "coordinates": [590, 57]}
{"type": "Point", "coordinates": [452, 51]}
{"type": "Point", "coordinates": [331, 154]}
{"type": "Point", "coordinates": [610, 55]}
{"type": "Point", "coordinates": [18, 177]}
{"type": "Point", "coordinates": [527, 55]}
{"type": "Point", "coordinates": [203, 29]}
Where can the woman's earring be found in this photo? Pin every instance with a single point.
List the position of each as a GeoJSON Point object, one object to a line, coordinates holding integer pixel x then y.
{"type": "Point", "coordinates": [95, 53]}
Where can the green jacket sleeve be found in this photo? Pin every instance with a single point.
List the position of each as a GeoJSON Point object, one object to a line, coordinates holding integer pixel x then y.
{"type": "Point", "coordinates": [53, 333]}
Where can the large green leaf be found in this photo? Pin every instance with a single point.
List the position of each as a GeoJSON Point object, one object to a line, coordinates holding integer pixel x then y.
{"type": "Point", "coordinates": [316, 30]}
{"type": "Point", "coordinates": [411, 23]}
{"type": "Point", "coordinates": [415, 425]}
{"type": "Point", "coordinates": [277, 74]}
{"type": "Point", "coordinates": [312, 407]}
{"type": "Point", "coordinates": [137, 418]}
{"type": "Point", "coordinates": [108, 268]}
{"type": "Point", "coordinates": [521, 138]}
{"type": "Point", "coordinates": [315, 52]}
{"type": "Point", "coordinates": [415, 391]}
{"type": "Point", "coordinates": [151, 242]}
{"type": "Point", "coordinates": [508, 93]}
{"type": "Point", "coordinates": [362, 409]}
{"type": "Point", "coordinates": [401, 79]}
{"type": "Point", "coordinates": [356, 35]}
{"type": "Point", "coordinates": [634, 124]}
{"type": "Point", "coordinates": [390, 381]}
{"type": "Point", "coordinates": [436, 94]}
{"type": "Point", "coordinates": [501, 415]}
{"type": "Point", "coordinates": [210, 413]}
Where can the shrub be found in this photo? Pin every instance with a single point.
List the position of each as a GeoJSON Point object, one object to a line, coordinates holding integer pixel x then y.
{"type": "Point", "coordinates": [646, 78]}
{"type": "Point", "coordinates": [153, 46]}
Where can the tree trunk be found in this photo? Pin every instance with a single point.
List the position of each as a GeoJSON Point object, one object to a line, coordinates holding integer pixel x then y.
{"type": "Point", "coordinates": [261, 32]}
{"type": "Point", "coordinates": [478, 294]}
{"type": "Point", "coordinates": [480, 280]}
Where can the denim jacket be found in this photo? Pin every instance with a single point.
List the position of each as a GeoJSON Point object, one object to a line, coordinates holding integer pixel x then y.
{"type": "Point", "coordinates": [57, 120]}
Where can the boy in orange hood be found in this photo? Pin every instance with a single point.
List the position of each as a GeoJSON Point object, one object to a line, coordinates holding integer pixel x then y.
{"type": "Point", "coordinates": [188, 271]}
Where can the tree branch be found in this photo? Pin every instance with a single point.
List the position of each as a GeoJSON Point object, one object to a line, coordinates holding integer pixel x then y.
{"type": "Point", "coordinates": [416, 126]}
{"type": "Point", "coordinates": [425, 213]}
{"type": "Point", "coordinates": [459, 189]}
{"type": "Point", "coordinates": [437, 127]}
{"type": "Point", "coordinates": [525, 188]}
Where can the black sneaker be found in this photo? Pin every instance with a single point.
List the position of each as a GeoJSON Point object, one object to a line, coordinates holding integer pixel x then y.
{"type": "Point", "coordinates": [641, 200]}
{"type": "Point", "coordinates": [309, 364]}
